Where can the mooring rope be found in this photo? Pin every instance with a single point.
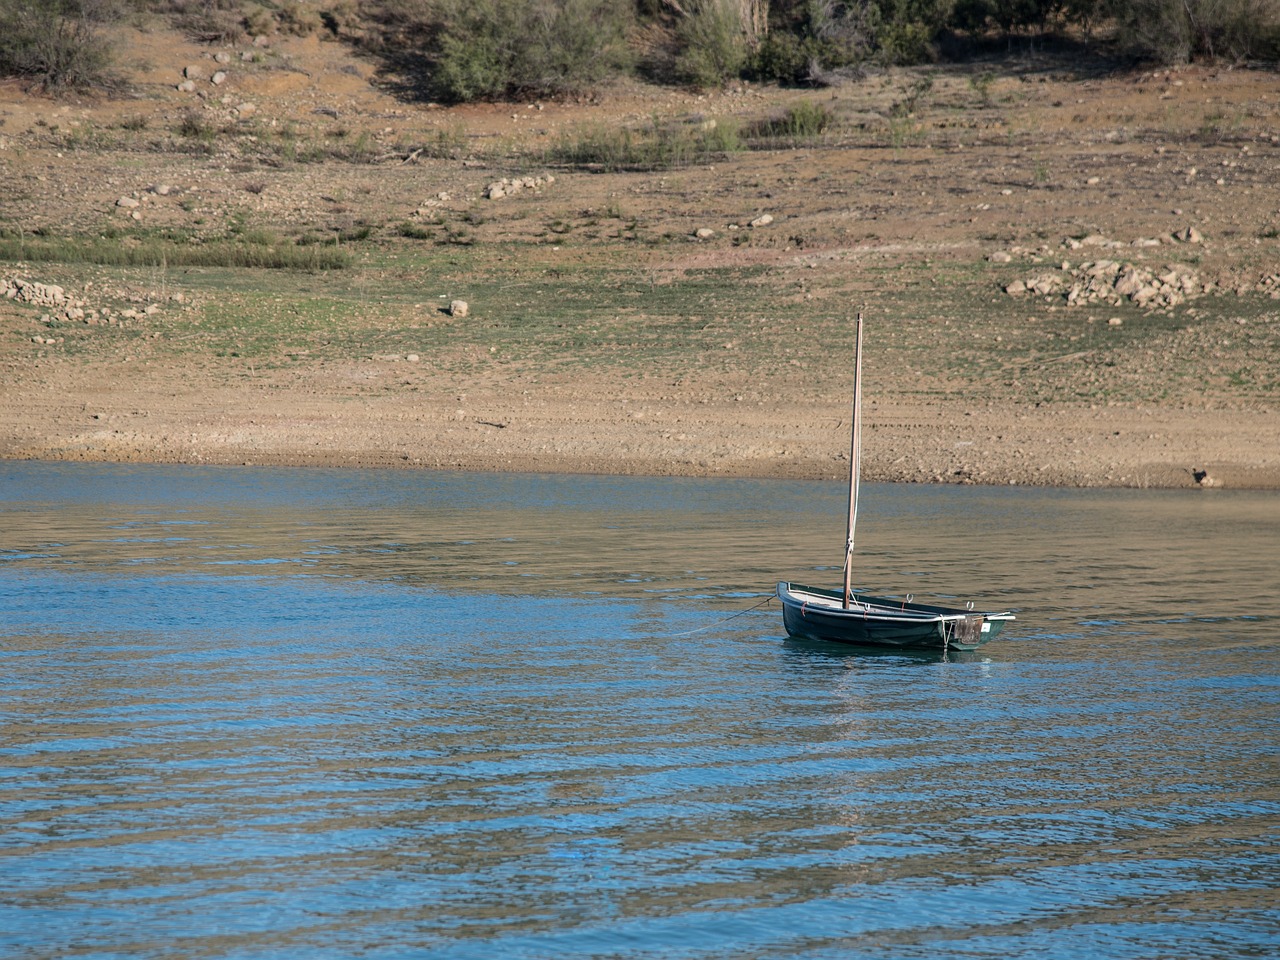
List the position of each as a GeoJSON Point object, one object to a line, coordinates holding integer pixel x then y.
{"type": "Point", "coordinates": [720, 623]}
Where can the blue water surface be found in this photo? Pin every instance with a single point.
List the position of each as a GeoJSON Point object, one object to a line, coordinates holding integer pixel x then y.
{"type": "Point", "coordinates": [287, 713]}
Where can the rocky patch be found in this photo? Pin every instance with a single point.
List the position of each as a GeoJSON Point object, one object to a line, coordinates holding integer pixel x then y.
{"type": "Point", "coordinates": [1115, 282]}
{"type": "Point", "coordinates": [510, 187]}
{"type": "Point", "coordinates": [72, 308]}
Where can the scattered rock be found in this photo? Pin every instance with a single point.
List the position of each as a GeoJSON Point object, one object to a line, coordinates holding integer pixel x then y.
{"type": "Point", "coordinates": [507, 187]}
{"type": "Point", "coordinates": [28, 291]}
{"type": "Point", "coordinates": [1189, 235]}
{"type": "Point", "coordinates": [127, 203]}
{"type": "Point", "coordinates": [195, 71]}
{"type": "Point", "coordinates": [761, 221]}
{"type": "Point", "coordinates": [1113, 282]}
{"type": "Point", "coordinates": [70, 309]}
{"type": "Point", "coordinates": [219, 78]}
{"type": "Point", "coordinates": [459, 308]}
{"type": "Point", "coordinates": [704, 233]}
{"type": "Point", "coordinates": [1000, 256]}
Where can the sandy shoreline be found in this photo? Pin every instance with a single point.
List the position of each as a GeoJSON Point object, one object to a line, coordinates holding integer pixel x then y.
{"type": "Point", "coordinates": [586, 428]}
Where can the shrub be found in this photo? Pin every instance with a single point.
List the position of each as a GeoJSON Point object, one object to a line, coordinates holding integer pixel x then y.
{"type": "Point", "coordinates": [298, 17]}
{"type": "Point", "coordinates": [653, 148]}
{"type": "Point", "coordinates": [907, 29]}
{"type": "Point", "coordinates": [1175, 31]}
{"type": "Point", "coordinates": [803, 122]}
{"type": "Point", "coordinates": [491, 49]}
{"type": "Point", "coordinates": [211, 21]}
{"type": "Point", "coordinates": [713, 46]}
{"type": "Point", "coordinates": [56, 44]}
{"type": "Point", "coordinates": [816, 45]}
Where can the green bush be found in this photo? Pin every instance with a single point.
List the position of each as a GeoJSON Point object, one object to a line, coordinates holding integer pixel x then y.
{"type": "Point", "coordinates": [55, 44]}
{"type": "Point", "coordinates": [492, 49]}
{"type": "Point", "coordinates": [1175, 31]}
{"type": "Point", "coordinates": [713, 47]}
{"type": "Point", "coordinates": [816, 42]}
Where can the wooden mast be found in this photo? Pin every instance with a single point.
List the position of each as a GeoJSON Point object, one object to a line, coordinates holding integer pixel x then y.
{"type": "Point", "coordinates": [855, 462]}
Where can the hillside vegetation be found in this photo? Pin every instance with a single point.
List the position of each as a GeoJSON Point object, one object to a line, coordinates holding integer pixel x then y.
{"type": "Point", "coordinates": [468, 50]}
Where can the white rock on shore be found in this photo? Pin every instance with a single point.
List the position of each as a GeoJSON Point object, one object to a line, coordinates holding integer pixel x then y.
{"type": "Point", "coordinates": [507, 187]}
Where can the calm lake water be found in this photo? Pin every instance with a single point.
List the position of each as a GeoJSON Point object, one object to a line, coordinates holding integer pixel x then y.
{"type": "Point", "coordinates": [325, 714]}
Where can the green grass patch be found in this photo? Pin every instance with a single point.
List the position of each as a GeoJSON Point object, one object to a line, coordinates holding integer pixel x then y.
{"type": "Point", "coordinates": [258, 250]}
{"type": "Point", "coordinates": [802, 123]}
{"type": "Point", "coordinates": [655, 147]}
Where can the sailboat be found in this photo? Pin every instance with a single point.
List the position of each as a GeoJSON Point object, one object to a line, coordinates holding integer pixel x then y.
{"type": "Point", "coordinates": [846, 617]}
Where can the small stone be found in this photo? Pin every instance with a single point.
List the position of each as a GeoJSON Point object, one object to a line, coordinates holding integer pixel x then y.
{"type": "Point", "coordinates": [704, 233]}
{"type": "Point", "coordinates": [412, 357]}
{"type": "Point", "coordinates": [194, 71]}
{"type": "Point", "coordinates": [219, 78]}
{"type": "Point", "coordinates": [1115, 322]}
{"type": "Point", "coordinates": [127, 203]}
{"type": "Point", "coordinates": [1000, 256]}
{"type": "Point", "coordinates": [1093, 181]}
{"type": "Point", "coordinates": [762, 221]}
{"type": "Point", "coordinates": [459, 308]}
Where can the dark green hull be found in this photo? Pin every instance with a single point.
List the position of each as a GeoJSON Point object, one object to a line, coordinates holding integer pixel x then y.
{"type": "Point", "coordinates": [818, 614]}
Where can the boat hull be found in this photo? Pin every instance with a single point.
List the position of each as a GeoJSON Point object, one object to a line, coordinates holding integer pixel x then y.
{"type": "Point", "coordinates": [816, 614]}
